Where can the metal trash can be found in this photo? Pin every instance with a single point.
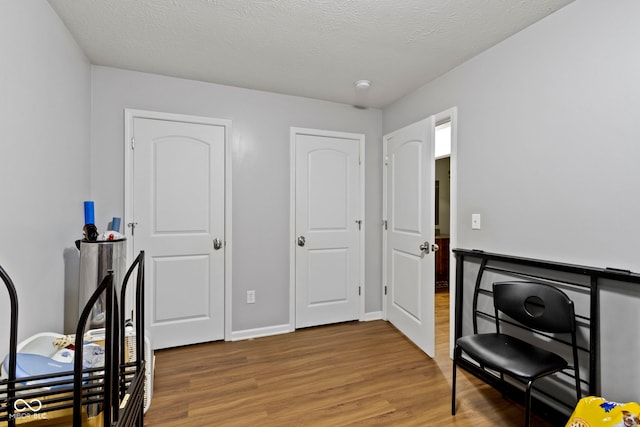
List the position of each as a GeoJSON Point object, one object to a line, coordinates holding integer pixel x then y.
{"type": "Point", "coordinates": [96, 259]}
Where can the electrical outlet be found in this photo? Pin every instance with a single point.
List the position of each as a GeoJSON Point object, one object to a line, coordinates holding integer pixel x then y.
{"type": "Point", "coordinates": [475, 221]}
{"type": "Point", "coordinates": [251, 297]}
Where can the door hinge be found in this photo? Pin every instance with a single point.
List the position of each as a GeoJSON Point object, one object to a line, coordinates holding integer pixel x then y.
{"type": "Point", "coordinates": [133, 143]}
{"type": "Point", "coordinates": [386, 160]}
{"type": "Point", "coordinates": [132, 226]}
{"type": "Point", "coordinates": [385, 289]}
{"type": "Point", "coordinates": [359, 222]}
{"type": "Point", "coordinates": [359, 290]}
{"type": "Point", "coordinates": [384, 223]}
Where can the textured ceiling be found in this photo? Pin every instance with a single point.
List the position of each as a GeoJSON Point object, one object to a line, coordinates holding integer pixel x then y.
{"type": "Point", "coordinates": [311, 48]}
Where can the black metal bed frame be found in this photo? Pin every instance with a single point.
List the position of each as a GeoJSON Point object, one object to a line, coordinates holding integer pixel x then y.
{"type": "Point", "coordinates": [115, 390]}
{"type": "Point", "coordinates": [578, 278]}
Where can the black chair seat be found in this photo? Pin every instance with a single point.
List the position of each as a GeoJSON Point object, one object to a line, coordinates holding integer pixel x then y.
{"type": "Point", "coordinates": [505, 353]}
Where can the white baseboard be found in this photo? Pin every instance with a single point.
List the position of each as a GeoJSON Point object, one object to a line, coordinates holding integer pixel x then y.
{"type": "Point", "coordinates": [373, 315]}
{"type": "Point", "coordinates": [286, 328]}
{"type": "Point", "coordinates": [260, 332]}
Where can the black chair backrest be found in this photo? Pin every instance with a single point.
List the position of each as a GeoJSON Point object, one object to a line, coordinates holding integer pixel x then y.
{"type": "Point", "coordinates": [535, 305]}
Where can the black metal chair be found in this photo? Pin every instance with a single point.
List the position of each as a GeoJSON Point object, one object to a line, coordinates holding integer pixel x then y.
{"type": "Point", "coordinates": [538, 307]}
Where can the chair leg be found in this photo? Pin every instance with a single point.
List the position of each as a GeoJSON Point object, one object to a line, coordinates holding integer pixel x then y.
{"type": "Point", "coordinates": [453, 382]}
{"type": "Point", "coordinates": [527, 404]}
{"type": "Point", "coordinates": [578, 387]}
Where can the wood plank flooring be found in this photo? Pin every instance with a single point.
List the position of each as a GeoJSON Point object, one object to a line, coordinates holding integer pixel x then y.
{"type": "Point", "coordinates": [350, 374]}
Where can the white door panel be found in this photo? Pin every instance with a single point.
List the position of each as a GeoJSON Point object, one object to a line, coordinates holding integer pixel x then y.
{"type": "Point", "coordinates": [328, 279]}
{"type": "Point", "coordinates": [328, 186]}
{"type": "Point", "coordinates": [178, 205]}
{"type": "Point", "coordinates": [407, 184]}
{"type": "Point", "coordinates": [410, 224]}
{"type": "Point", "coordinates": [405, 294]}
{"type": "Point", "coordinates": [181, 208]}
{"type": "Point", "coordinates": [327, 210]}
{"type": "Point", "coordinates": [187, 301]}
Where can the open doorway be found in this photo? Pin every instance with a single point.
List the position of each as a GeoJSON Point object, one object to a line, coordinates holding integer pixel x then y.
{"type": "Point", "coordinates": [444, 195]}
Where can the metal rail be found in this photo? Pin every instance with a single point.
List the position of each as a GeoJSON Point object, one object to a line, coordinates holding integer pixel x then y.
{"type": "Point", "coordinates": [117, 389]}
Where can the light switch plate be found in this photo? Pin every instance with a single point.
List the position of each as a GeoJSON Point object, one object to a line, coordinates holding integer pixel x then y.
{"type": "Point", "coordinates": [475, 221]}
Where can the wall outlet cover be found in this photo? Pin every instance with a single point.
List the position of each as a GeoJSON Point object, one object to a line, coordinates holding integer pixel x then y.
{"type": "Point", "coordinates": [475, 221]}
{"type": "Point", "coordinates": [251, 297]}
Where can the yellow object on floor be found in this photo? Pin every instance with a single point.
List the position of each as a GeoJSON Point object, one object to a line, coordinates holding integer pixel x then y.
{"type": "Point", "coordinates": [595, 411]}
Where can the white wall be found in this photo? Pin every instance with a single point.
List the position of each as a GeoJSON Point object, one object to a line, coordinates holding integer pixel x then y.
{"type": "Point", "coordinates": [548, 153]}
{"type": "Point", "coordinates": [45, 126]}
{"type": "Point", "coordinates": [260, 167]}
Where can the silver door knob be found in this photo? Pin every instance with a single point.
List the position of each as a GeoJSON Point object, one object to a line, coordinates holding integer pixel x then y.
{"type": "Point", "coordinates": [435, 247]}
{"type": "Point", "coordinates": [301, 241]}
{"type": "Point", "coordinates": [217, 244]}
{"type": "Point", "coordinates": [425, 247]}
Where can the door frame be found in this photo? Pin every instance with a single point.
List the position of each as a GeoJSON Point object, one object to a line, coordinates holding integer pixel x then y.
{"type": "Point", "coordinates": [294, 131]}
{"type": "Point", "coordinates": [452, 115]}
{"type": "Point", "coordinates": [129, 116]}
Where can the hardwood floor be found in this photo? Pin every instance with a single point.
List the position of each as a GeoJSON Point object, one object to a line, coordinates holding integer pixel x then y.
{"type": "Point", "coordinates": [356, 374]}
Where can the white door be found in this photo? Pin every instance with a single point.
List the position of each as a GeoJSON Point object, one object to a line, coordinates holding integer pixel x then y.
{"type": "Point", "coordinates": [409, 258]}
{"type": "Point", "coordinates": [328, 228]}
{"type": "Point", "coordinates": [178, 203]}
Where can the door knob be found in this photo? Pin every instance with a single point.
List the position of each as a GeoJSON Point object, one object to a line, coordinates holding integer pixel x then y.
{"type": "Point", "coordinates": [301, 241]}
{"type": "Point", "coordinates": [217, 244]}
{"type": "Point", "coordinates": [435, 247]}
{"type": "Point", "coordinates": [425, 247]}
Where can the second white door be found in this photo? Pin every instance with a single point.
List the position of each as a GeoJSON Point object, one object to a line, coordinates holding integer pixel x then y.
{"type": "Point", "coordinates": [328, 227]}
